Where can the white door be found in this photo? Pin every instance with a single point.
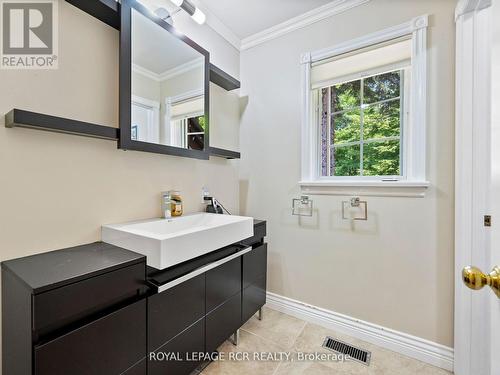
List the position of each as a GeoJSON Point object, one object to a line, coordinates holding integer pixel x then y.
{"type": "Point", "coordinates": [495, 187]}
{"type": "Point", "coordinates": [477, 188]}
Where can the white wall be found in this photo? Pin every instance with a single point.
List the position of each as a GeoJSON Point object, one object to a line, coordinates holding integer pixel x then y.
{"type": "Point", "coordinates": [222, 54]}
{"type": "Point", "coordinates": [396, 269]}
{"type": "Point", "coordinates": [57, 189]}
{"type": "Point", "coordinates": [224, 118]}
{"type": "Point", "coordinates": [145, 87]}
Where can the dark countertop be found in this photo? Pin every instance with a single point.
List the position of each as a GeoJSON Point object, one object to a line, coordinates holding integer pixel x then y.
{"type": "Point", "coordinates": [45, 271]}
{"type": "Point", "coordinates": [257, 222]}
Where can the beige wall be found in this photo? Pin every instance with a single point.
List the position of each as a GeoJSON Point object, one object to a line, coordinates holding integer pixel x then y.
{"type": "Point", "coordinates": [55, 189]}
{"type": "Point", "coordinates": [396, 269]}
{"type": "Point", "coordinates": [145, 87]}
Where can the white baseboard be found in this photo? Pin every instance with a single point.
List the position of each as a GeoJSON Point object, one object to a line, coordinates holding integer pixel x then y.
{"type": "Point", "coordinates": [415, 347]}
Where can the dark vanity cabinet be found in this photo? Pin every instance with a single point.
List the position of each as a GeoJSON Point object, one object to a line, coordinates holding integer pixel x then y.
{"type": "Point", "coordinates": [200, 303]}
{"type": "Point", "coordinates": [97, 309]}
{"type": "Point", "coordinates": [76, 311]}
{"type": "Point", "coordinates": [176, 324]}
{"type": "Point", "coordinates": [223, 303]}
{"type": "Point", "coordinates": [254, 280]}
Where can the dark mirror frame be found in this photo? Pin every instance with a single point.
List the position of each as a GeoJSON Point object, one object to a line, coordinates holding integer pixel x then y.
{"type": "Point", "coordinates": [125, 141]}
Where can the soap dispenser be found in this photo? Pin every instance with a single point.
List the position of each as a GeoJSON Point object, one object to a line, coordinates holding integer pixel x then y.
{"type": "Point", "coordinates": [176, 203]}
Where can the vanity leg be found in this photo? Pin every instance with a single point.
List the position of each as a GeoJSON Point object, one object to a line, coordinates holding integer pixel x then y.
{"type": "Point", "coordinates": [261, 314]}
{"type": "Point", "coordinates": [235, 338]}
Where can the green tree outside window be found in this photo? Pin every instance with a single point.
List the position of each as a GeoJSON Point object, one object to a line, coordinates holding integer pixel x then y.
{"type": "Point", "coordinates": [365, 127]}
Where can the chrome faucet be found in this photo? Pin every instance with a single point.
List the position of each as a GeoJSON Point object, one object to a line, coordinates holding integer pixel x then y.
{"type": "Point", "coordinates": [166, 204]}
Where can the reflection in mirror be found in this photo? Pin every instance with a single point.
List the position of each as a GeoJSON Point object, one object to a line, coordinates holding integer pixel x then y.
{"type": "Point", "coordinates": [168, 82]}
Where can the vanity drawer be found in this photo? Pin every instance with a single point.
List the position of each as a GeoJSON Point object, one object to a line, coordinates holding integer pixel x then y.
{"type": "Point", "coordinates": [109, 345]}
{"type": "Point", "coordinates": [223, 322]}
{"type": "Point", "coordinates": [172, 311]}
{"type": "Point", "coordinates": [254, 265]}
{"type": "Point", "coordinates": [62, 306]}
{"type": "Point", "coordinates": [222, 283]}
{"type": "Point", "coordinates": [254, 297]}
{"type": "Point", "coordinates": [189, 341]}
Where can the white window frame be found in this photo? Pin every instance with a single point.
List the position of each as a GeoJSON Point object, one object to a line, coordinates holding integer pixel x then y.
{"type": "Point", "coordinates": [413, 141]}
{"type": "Point", "coordinates": [170, 135]}
{"type": "Point", "coordinates": [403, 100]}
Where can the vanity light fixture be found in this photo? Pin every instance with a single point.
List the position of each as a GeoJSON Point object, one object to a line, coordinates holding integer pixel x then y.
{"type": "Point", "coordinates": [195, 12]}
{"type": "Point", "coordinates": [164, 15]}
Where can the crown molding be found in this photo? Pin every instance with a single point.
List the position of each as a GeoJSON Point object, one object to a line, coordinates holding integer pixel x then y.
{"type": "Point", "coordinates": [190, 65]}
{"type": "Point", "coordinates": [145, 72]}
{"type": "Point", "coordinates": [299, 22]}
{"type": "Point", "coordinates": [178, 70]}
{"type": "Point", "coordinates": [467, 6]}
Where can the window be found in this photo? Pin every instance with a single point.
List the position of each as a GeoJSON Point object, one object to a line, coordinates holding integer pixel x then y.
{"type": "Point", "coordinates": [364, 114]}
{"type": "Point", "coordinates": [189, 132]}
{"type": "Point", "coordinates": [361, 125]}
{"type": "Point", "coordinates": [185, 116]}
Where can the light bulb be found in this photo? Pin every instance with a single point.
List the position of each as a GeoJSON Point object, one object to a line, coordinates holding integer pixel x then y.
{"type": "Point", "coordinates": [199, 16]}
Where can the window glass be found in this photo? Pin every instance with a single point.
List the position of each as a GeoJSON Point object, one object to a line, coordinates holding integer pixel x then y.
{"type": "Point", "coordinates": [360, 126]}
{"type": "Point", "coordinates": [346, 96]}
{"type": "Point", "coordinates": [346, 161]}
{"type": "Point", "coordinates": [381, 87]}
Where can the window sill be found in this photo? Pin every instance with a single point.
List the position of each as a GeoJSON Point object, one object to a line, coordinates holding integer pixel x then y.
{"type": "Point", "coordinates": [410, 189]}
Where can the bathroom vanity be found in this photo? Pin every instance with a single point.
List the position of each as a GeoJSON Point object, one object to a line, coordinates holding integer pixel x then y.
{"type": "Point", "coordinates": [100, 309]}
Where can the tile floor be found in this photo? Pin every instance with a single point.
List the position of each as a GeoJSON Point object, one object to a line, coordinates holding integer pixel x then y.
{"type": "Point", "coordinates": [279, 332]}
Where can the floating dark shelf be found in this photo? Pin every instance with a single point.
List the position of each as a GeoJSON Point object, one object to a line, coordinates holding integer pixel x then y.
{"type": "Point", "coordinates": [224, 80]}
{"type": "Point", "coordinates": [108, 11]}
{"type": "Point", "coordinates": [227, 154]}
{"type": "Point", "coordinates": [33, 120]}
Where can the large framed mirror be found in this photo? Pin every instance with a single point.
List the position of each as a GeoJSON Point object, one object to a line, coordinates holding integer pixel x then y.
{"type": "Point", "coordinates": [164, 87]}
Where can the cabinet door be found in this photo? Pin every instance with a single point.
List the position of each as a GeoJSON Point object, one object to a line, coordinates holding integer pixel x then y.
{"type": "Point", "coordinates": [172, 311]}
{"type": "Point", "coordinates": [140, 368]}
{"type": "Point", "coordinates": [171, 358]}
{"type": "Point", "coordinates": [254, 265]}
{"type": "Point", "coordinates": [223, 282]}
{"type": "Point", "coordinates": [109, 345]}
{"type": "Point", "coordinates": [254, 297]}
{"type": "Point", "coordinates": [223, 322]}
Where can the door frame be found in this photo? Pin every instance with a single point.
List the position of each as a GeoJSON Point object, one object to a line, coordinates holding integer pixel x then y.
{"type": "Point", "coordinates": [472, 180]}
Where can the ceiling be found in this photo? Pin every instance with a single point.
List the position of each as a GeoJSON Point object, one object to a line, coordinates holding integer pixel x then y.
{"type": "Point", "coordinates": [247, 17]}
{"type": "Point", "coordinates": [152, 47]}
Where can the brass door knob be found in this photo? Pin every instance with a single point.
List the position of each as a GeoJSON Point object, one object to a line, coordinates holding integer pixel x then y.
{"type": "Point", "coordinates": [475, 279]}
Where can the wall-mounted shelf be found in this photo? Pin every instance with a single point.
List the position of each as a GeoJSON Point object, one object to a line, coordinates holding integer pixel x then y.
{"type": "Point", "coordinates": [18, 118]}
{"type": "Point", "coordinates": [108, 11]}
{"type": "Point", "coordinates": [222, 153]}
{"type": "Point", "coordinates": [25, 119]}
{"type": "Point", "coordinates": [222, 79]}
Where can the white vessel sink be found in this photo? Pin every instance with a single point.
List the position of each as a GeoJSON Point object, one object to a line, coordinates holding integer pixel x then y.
{"type": "Point", "coordinates": [167, 242]}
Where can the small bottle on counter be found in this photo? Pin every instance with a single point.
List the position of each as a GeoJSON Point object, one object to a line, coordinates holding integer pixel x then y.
{"type": "Point", "coordinates": [176, 203]}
